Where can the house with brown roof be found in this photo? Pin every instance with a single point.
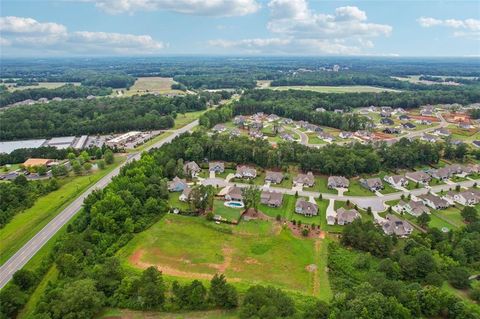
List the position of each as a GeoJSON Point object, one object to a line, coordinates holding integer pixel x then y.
{"type": "Point", "coordinates": [372, 184]}
{"type": "Point", "coordinates": [185, 196]}
{"type": "Point", "coordinates": [466, 198]}
{"type": "Point", "coordinates": [244, 171]}
{"type": "Point", "coordinates": [271, 198]}
{"type": "Point", "coordinates": [347, 216]}
{"type": "Point", "coordinates": [395, 226]}
{"type": "Point", "coordinates": [234, 193]}
{"type": "Point", "coordinates": [307, 180]}
{"type": "Point", "coordinates": [35, 162]}
{"type": "Point", "coordinates": [305, 208]}
{"type": "Point", "coordinates": [273, 177]}
{"type": "Point", "coordinates": [337, 182]}
{"type": "Point", "coordinates": [191, 169]}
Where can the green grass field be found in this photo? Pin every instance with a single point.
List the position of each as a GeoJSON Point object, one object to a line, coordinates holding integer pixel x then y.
{"type": "Point", "coordinates": [355, 189]}
{"type": "Point", "coordinates": [254, 252]}
{"type": "Point", "coordinates": [230, 214]}
{"type": "Point", "coordinates": [145, 85]}
{"type": "Point", "coordinates": [334, 89]}
{"type": "Point", "coordinates": [26, 224]}
{"type": "Point", "coordinates": [183, 119]}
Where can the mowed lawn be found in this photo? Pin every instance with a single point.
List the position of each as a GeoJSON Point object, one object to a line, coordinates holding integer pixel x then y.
{"type": "Point", "coordinates": [26, 224]}
{"type": "Point", "coordinates": [254, 252]}
{"type": "Point", "coordinates": [287, 210]}
{"type": "Point", "coordinates": [229, 213]}
{"type": "Point", "coordinates": [334, 89]}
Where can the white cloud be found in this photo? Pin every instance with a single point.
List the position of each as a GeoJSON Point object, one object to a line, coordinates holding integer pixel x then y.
{"type": "Point", "coordinates": [193, 7]}
{"type": "Point", "coordinates": [463, 28]}
{"type": "Point", "coordinates": [295, 18]}
{"type": "Point", "coordinates": [299, 30]}
{"type": "Point", "coordinates": [28, 35]}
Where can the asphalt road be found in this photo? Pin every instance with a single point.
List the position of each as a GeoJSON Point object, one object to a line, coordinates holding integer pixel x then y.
{"type": "Point", "coordinates": [24, 254]}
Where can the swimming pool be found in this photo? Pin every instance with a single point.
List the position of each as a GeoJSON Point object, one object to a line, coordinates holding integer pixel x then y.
{"type": "Point", "coordinates": [234, 204]}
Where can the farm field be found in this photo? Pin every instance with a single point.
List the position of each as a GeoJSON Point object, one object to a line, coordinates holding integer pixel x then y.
{"type": "Point", "coordinates": [25, 225]}
{"type": "Point", "coordinates": [334, 89]}
{"type": "Point", "coordinates": [44, 85]}
{"type": "Point", "coordinates": [152, 85]}
{"type": "Point", "coordinates": [254, 252]}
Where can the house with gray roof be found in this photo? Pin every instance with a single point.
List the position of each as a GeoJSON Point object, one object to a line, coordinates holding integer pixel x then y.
{"type": "Point", "coordinates": [244, 171]}
{"type": "Point", "coordinates": [177, 184]}
{"type": "Point", "coordinates": [273, 177]}
{"type": "Point", "coordinates": [466, 198]}
{"type": "Point", "coordinates": [219, 128]}
{"type": "Point", "coordinates": [347, 216]}
{"type": "Point", "coordinates": [372, 184]}
{"type": "Point", "coordinates": [191, 169]}
{"type": "Point", "coordinates": [325, 137]}
{"type": "Point", "coordinates": [396, 226]}
{"type": "Point", "coordinates": [419, 177]}
{"type": "Point", "coordinates": [185, 196]}
{"type": "Point", "coordinates": [217, 167]}
{"type": "Point", "coordinates": [414, 208]}
{"type": "Point", "coordinates": [271, 198]}
{"type": "Point", "coordinates": [307, 180]}
{"type": "Point", "coordinates": [433, 201]}
{"type": "Point", "coordinates": [337, 182]}
{"type": "Point", "coordinates": [396, 180]}
{"type": "Point", "coordinates": [305, 208]}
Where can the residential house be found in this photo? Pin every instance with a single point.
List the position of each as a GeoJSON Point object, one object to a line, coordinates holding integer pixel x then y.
{"type": "Point", "coordinates": [340, 111]}
{"type": "Point", "coordinates": [441, 132]}
{"type": "Point", "coordinates": [312, 127]}
{"type": "Point", "coordinates": [255, 133]}
{"type": "Point", "coordinates": [372, 184]}
{"type": "Point", "coordinates": [217, 167]}
{"type": "Point", "coordinates": [185, 196]}
{"type": "Point", "coordinates": [337, 182]}
{"type": "Point", "coordinates": [177, 184]}
{"type": "Point", "coordinates": [464, 125]}
{"type": "Point", "coordinates": [239, 120]}
{"type": "Point", "coordinates": [385, 114]}
{"type": "Point", "coordinates": [235, 132]}
{"type": "Point", "coordinates": [219, 128]}
{"type": "Point", "coordinates": [399, 110]}
{"type": "Point", "coordinates": [396, 180]}
{"type": "Point", "coordinates": [433, 201]}
{"type": "Point", "coordinates": [346, 216]}
{"type": "Point", "coordinates": [320, 109]}
{"type": "Point", "coordinates": [272, 199]}
{"type": "Point", "coordinates": [273, 117]}
{"type": "Point", "coordinates": [191, 169]}
{"type": "Point", "coordinates": [391, 130]}
{"type": "Point", "coordinates": [414, 208]}
{"type": "Point", "coordinates": [325, 137]}
{"type": "Point", "coordinates": [476, 143]}
{"type": "Point", "coordinates": [471, 169]}
{"type": "Point", "coordinates": [273, 177]}
{"type": "Point", "coordinates": [466, 198]}
{"type": "Point", "coordinates": [404, 117]}
{"type": "Point", "coordinates": [307, 180]}
{"type": "Point", "coordinates": [395, 226]}
{"type": "Point", "coordinates": [419, 177]}
{"type": "Point", "coordinates": [287, 137]}
{"type": "Point", "coordinates": [429, 138]}
{"type": "Point", "coordinates": [287, 121]}
{"type": "Point", "coordinates": [244, 171]}
{"type": "Point", "coordinates": [386, 121]}
{"type": "Point", "coordinates": [304, 207]}
{"type": "Point", "coordinates": [345, 134]}
{"type": "Point", "coordinates": [442, 174]}
{"type": "Point", "coordinates": [234, 193]}
{"type": "Point", "coordinates": [409, 126]}
{"type": "Point", "coordinates": [256, 125]}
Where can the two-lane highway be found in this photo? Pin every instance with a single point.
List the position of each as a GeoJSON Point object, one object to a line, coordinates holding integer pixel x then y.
{"type": "Point", "coordinates": [24, 254]}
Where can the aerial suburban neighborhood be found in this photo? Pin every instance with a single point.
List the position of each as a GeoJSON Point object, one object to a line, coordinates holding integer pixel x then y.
{"type": "Point", "coordinates": [239, 159]}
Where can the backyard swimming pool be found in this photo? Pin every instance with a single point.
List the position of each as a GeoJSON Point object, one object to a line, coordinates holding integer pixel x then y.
{"type": "Point", "coordinates": [234, 204]}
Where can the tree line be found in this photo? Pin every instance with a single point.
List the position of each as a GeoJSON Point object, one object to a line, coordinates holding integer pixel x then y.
{"type": "Point", "coordinates": [21, 194]}
{"type": "Point", "coordinates": [96, 116]}
{"type": "Point", "coordinates": [68, 91]}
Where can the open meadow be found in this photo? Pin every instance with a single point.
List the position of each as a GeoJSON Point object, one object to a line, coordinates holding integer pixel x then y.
{"type": "Point", "coordinates": [158, 85]}
{"type": "Point", "coordinates": [254, 252]}
{"type": "Point", "coordinates": [41, 85]}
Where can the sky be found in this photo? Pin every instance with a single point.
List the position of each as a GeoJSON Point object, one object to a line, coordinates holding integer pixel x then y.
{"type": "Point", "coordinates": [65, 28]}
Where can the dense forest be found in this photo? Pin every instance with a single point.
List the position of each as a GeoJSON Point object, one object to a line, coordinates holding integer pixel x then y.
{"type": "Point", "coordinates": [68, 91]}
{"type": "Point", "coordinates": [215, 81]}
{"type": "Point", "coordinates": [90, 277]}
{"type": "Point", "coordinates": [20, 195]}
{"type": "Point", "coordinates": [96, 116]}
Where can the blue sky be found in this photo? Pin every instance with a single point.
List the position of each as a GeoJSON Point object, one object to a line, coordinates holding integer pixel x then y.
{"type": "Point", "coordinates": [239, 27]}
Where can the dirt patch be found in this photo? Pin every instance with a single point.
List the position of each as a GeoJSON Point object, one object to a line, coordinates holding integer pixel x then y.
{"type": "Point", "coordinates": [252, 214]}
{"type": "Point", "coordinates": [311, 268]}
{"type": "Point", "coordinates": [136, 260]}
{"type": "Point", "coordinates": [322, 235]}
{"type": "Point", "coordinates": [297, 230]}
{"type": "Point", "coordinates": [425, 118]}
{"type": "Point", "coordinates": [251, 261]}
